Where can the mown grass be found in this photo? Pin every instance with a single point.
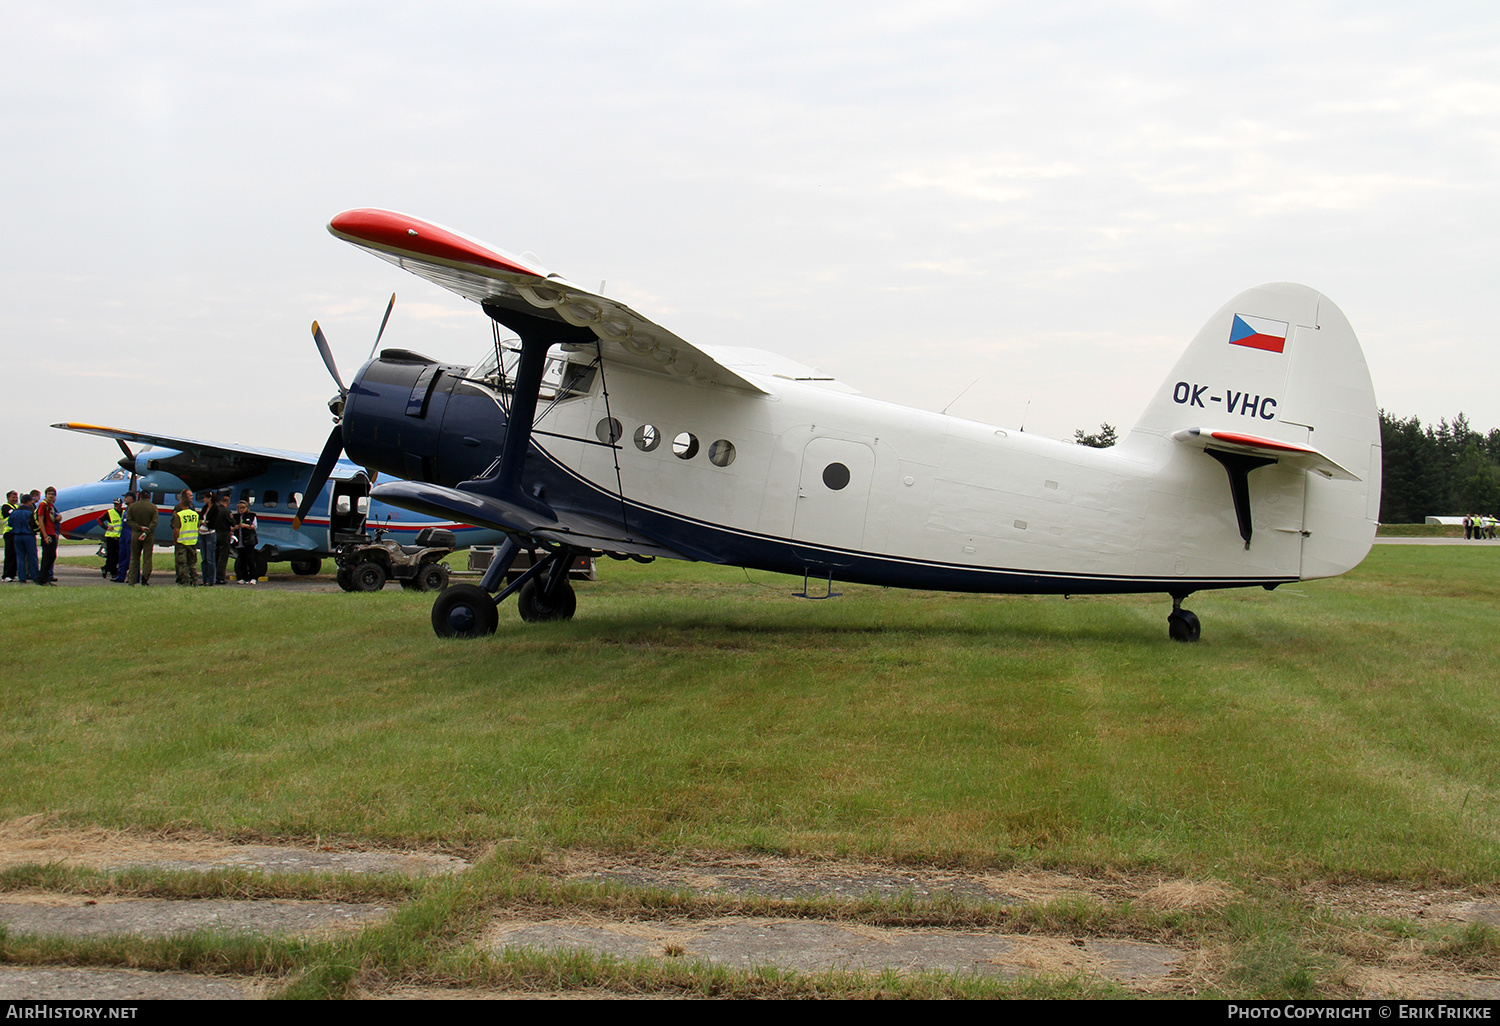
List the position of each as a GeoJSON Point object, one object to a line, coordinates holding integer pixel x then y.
{"type": "Point", "coordinates": [1340, 728]}
{"type": "Point", "coordinates": [1328, 728]}
{"type": "Point", "coordinates": [1420, 531]}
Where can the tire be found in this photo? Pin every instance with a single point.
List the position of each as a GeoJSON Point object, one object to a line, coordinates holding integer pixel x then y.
{"type": "Point", "coordinates": [307, 567]}
{"type": "Point", "coordinates": [464, 611]}
{"type": "Point", "coordinates": [432, 577]}
{"type": "Point", "coordinates": [345, 578]}
{"type": "Point", "coordinates": [535, 609]}
{"type": "Point", "coordinates": [1183, 626]}
{"type": "Point", "coordinates": [367, 576]}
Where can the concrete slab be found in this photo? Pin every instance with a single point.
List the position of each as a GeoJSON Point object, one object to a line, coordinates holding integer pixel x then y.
{"type": "Point", "coordinates": [72, 916]}
{"type": "Point", "coordinates": [1476, 543]}
{"type": "Point", "coordinates": [43, 983]}
{"type": "Point", "coordinates": [815, 946]}
{"type": "Point", "coordinates": [33, 840]}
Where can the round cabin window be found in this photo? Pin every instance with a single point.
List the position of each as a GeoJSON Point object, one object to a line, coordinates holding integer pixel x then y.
{"type": "Point", "coordinates": [647, 437]}
{"type": "Point", "coordinates": [608, 430]}
{"type": "Point", "coordinates": [721, 453]}
{"type": "Point", "coordinates": [836, 476]}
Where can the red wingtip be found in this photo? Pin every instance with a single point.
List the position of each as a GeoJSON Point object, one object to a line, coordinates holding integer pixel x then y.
{"type": "Point", "coordinates": [389, 230]}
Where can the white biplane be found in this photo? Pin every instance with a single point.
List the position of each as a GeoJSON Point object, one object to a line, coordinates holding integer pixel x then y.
{"type": "Point", "coordinates": [1256, 463]}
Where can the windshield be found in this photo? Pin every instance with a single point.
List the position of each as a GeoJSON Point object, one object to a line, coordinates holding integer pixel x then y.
{"type": "Point", "coordinates": [565, 376]}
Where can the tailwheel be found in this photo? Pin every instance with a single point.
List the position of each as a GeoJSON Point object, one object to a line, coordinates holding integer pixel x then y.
{"type": "Point", "coordinates": [538, 608]}
{"type": "Point", "coordinates": [464, 611]}
{"type": "Point", "coordinates": [1182, 624]}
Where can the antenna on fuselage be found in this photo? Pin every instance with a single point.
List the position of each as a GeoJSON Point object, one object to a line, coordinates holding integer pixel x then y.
{"type": "Point", "coordinates": [944, 410]}
{"type": "Point", "coordinates": [1023, 416]}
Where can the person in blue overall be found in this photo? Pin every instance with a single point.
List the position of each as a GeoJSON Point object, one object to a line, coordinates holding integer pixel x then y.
{"type": "Point", "coordinates": [23, 537]}
{"type": "Point", "coordinates": [124, 564]}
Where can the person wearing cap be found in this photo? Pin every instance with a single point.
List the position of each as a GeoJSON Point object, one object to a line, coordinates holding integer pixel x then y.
{"type": "Point", "coordinates": [112, 520]}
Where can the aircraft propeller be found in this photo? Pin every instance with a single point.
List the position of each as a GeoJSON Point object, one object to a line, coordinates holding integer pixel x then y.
{"type": "Point", "coordinates": [334, 447]}
{"type": "Point", "coordinates": [128, 463]}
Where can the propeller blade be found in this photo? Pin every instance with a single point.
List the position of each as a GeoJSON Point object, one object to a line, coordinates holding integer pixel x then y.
{"type": "Point", "coordinates": [329, 456]}
{"type": "Point", "coordinates": [127, 462]}
{"type": "Point", "coordinates": [327, 355]}
{"type": "Point", "coordinates": [383, 321]}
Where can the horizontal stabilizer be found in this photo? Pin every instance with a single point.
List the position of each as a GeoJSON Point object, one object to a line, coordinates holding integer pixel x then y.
{"type": "Point", "coordinates": [564, 528]}
{"type": "Point", "coordinates": [1291, 454]}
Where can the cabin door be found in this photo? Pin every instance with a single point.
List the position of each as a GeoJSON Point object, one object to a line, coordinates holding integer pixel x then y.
{"type": "Point", "coordinates": [833, 494]}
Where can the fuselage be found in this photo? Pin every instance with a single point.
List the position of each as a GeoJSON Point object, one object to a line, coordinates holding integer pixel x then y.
{"type": "Point", "coordinates": [813, 478]}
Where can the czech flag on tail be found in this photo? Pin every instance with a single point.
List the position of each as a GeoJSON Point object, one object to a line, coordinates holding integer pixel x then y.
{"type": "Point", "coordinates": [1258, 333]}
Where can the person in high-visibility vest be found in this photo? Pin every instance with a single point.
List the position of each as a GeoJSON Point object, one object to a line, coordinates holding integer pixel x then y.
{"type": "Point", "coordinates": [185, 539]}
{"type": "Point", "coordinates": [111, 520]}
{"type": "Point", "coordinates": [12, 503]}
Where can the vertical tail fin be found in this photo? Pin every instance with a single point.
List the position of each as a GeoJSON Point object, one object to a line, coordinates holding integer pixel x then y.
{"type": "Point", "coordinates": [1276, 373]}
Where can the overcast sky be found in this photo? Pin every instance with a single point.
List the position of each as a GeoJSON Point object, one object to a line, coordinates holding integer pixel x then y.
{"type": "Point", "coordinates": [1049, 198]}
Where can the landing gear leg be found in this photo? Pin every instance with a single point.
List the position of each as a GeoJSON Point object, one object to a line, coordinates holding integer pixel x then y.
{"type": "Point", "coordinates": [552, 599]}
{"type": "Point", "coordinates": [1182, 624]}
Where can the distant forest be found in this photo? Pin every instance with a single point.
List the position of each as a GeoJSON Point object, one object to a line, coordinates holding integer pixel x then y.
{"type": "Point", "coordinates": [1448, 470]}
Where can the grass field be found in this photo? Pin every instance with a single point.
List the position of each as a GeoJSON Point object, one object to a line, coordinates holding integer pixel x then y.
{"type": "Point", "coordinates": [1335, 730]}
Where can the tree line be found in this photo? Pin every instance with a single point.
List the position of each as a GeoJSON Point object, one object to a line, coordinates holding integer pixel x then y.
{"type": "Point", "coordinates": [1445, 470]}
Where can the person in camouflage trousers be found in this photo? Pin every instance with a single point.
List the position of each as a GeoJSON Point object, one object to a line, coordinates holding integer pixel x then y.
{"type": "Point", "coordinates": [185, 540]}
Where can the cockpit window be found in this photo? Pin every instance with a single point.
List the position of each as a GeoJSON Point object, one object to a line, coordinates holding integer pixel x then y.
{"type": "Point", "coordinates": [565, 376]}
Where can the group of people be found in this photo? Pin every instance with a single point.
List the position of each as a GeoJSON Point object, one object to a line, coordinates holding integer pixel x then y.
{"type": "Point", "coordinates": [130, 529]}
{"type": "Point", "coordinates": [130, 535]}
{"type": "Point", "coordinates": [30, 519]}
{"type": "Point", "coordinates": [1478, 526]}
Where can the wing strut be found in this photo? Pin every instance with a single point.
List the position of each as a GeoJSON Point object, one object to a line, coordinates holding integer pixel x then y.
{"type": "Point", "coordinates": [537, 334]}
{"type": "Point", "coordinates": [614, 448]}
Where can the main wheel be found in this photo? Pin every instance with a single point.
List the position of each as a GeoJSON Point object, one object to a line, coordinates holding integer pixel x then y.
{"type": "Point", "coordinates": [432, 577]}
{"type": "Point", "coordinates": [367, 576]}
{"type": "Point", "coordinates": [535, 608]}
{"type": "Point", "coordinates": [1183, 625]}
{"type": "Point", "coordinates": [464, 611]}
{"type": "Point", "coordinates": [306, 567]}
{"type": "Point", "coordinates": [345, 578]}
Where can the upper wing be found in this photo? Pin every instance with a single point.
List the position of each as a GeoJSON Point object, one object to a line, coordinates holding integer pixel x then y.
{"type": "Point", "coordinates": [485, 274]}
{"type": "Point", "coordinates": [206, 464]}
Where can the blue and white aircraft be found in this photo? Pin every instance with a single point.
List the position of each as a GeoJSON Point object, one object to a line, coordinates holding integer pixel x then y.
{"type": "Point", "coordinates": [1256, 462]}
{"type": "Point", "coordinates": [271, 480]}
